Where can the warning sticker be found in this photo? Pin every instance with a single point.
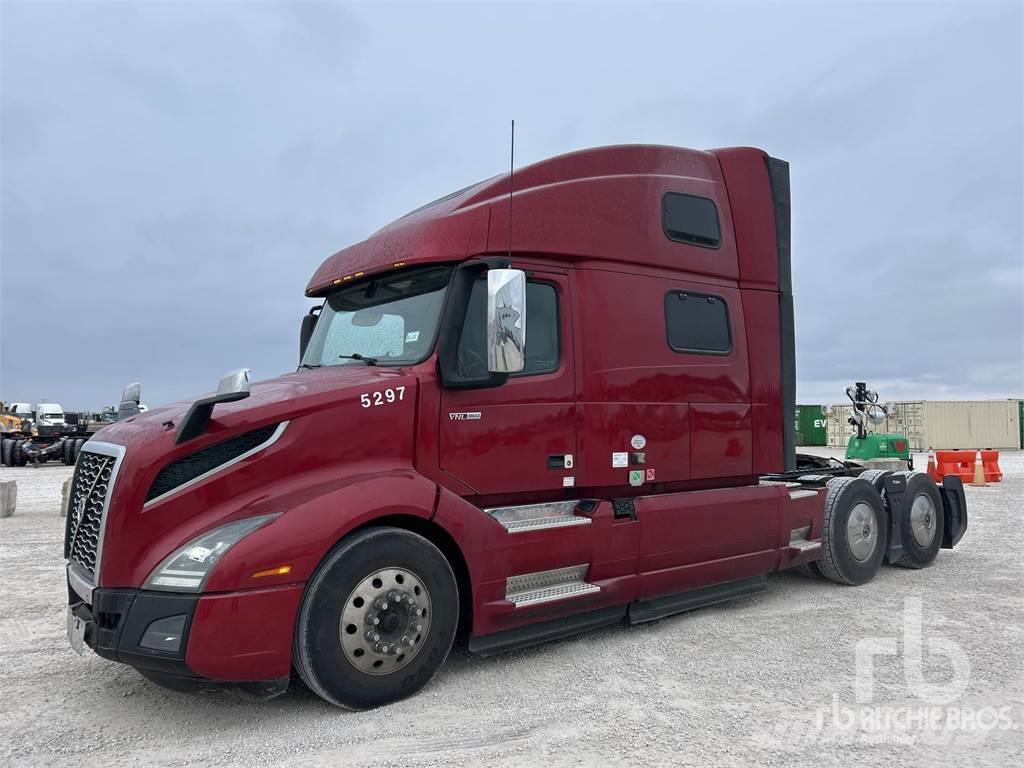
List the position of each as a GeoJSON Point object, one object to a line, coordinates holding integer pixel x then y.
{"type": "Point", "coordinates": [412, 336]}
{"type": "Point", "coordinates": [620, 460]}
{"type": "Point", "coordinates": [636, 477]}
{"type": "Point", "coordinates": [568, 482]}
{"type": "Point", "coordinates": [650, 475]}
{"type": "Point", "coordinates": [638, 442]}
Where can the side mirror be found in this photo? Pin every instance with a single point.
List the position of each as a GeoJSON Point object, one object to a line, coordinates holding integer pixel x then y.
{"type": "Point", "coordinates": [232, 387]}
{"type": "Point", "coordinates": [306, 330]}
{"type": "Point", "coordinates": [506, 320]}
{"type": "Point", "coordinates": [130, 399]}
{"type": "Point", "coordinates": [234, 383]}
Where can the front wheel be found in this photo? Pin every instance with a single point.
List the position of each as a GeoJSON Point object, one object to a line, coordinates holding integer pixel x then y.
{"type": "Point", "coordinates": [377, 620]}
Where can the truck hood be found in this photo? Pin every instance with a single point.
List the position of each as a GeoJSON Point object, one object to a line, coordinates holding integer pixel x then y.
{"type": "Point", "coordinates": [149, 436]}
{"type": "Point", "coordinates": [330, 430]}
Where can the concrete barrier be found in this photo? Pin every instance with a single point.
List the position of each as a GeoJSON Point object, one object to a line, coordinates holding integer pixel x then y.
{"type": "Point", "coordinates": [65, 494]}
{"type": "Point", "coordinates": [8, 497]}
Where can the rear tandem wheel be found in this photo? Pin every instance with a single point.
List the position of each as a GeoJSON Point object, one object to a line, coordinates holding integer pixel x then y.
{"type": "Point", "coordinates": [854, 531]}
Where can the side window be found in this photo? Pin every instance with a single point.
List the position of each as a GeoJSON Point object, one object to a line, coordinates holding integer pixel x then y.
{"type": "Point", "coordinates": [697, 323]}
{"type": "Point", "coordinates": [690, 219]}
{"type": "Point", "coordinates": [542, 331]}
{"type": "Point", "coordinates": [542, 351]}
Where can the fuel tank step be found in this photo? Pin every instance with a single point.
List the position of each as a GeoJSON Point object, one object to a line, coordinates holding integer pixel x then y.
{"type": "Point", "coordinates": [535, 517]}
{"type": "Point", "coordinates": [548, 586]}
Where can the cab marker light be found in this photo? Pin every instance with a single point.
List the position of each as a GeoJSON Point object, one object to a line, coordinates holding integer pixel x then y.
{"type": "Point", "coordinates": [281, 570]}
{"type": "Point", "coordinates": [398, 264]}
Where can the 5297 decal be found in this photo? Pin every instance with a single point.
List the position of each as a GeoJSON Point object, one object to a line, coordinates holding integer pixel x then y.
{"type": "Point", "coordinates": [383, 397]}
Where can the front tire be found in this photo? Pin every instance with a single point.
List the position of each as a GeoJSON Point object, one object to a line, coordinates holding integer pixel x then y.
{"type": "Point", "coordinates": [854, 531]}
{"type": "Point", "coordinates": [377, 619]}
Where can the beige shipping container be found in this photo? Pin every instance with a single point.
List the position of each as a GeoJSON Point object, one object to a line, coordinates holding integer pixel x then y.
{"type": "Point", "coordinates": [839, 430]}
{"type": "Point", "coordinates": [972, 424]}
{"type": "Point", "coordinates": [940, 424]}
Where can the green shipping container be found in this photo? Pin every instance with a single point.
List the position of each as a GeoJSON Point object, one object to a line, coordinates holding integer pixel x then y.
{"type": "Point", "coordinates": [811, 425]}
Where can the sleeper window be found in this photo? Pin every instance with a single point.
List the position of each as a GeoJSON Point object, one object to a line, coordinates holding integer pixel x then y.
{"type": "Point", "coordinates": [690, 219]}
{"type": "Point", "coordinates": [697, 322]}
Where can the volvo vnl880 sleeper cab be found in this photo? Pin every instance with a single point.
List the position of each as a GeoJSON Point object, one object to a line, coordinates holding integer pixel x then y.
{"type": "Point", "coordinates": [513, 436]}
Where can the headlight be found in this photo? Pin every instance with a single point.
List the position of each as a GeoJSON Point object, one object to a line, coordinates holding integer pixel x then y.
{"type": "Point", "coordinates": [187, 568]}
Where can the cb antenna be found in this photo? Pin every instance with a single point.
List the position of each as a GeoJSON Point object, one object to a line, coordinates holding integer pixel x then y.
{"type": "Point", "coordinates": [511, 170]}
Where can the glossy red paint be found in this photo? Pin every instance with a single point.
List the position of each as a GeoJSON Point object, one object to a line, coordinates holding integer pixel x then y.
{"type": "Point", "coordinates": [589, 223]}
{"type": "Point", "coordinates": [244, 635]}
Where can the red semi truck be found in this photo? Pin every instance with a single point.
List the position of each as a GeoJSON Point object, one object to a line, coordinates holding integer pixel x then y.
{"type": "Point", "coordinates": [539, 405]}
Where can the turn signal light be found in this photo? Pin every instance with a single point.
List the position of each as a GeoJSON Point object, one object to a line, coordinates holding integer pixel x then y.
{"type": "Point", "coordinates": [281, 570]}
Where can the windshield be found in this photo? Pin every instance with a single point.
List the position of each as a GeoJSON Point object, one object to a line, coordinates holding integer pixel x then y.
{"type": "Point", "coordinates": [387, 320]}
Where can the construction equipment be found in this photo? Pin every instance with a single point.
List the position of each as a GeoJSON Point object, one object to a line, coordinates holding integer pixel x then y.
{"type": "Point", "coordinates": [874, 451]}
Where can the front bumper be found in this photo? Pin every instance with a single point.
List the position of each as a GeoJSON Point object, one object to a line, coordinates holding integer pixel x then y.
{"type": "Point", "coordinates": [232, 637]}
{"type": "Point", "coordinates": [117, 619]}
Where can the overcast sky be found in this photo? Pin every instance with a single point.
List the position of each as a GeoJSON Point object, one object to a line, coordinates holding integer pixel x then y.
{"type": "Point", "coordinates": [173, 173]}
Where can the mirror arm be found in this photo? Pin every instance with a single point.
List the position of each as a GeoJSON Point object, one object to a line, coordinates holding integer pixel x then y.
{"type": "Point", "coordinates": [233, 386]}
{"type": "Point", "coordinates": [195, 421]}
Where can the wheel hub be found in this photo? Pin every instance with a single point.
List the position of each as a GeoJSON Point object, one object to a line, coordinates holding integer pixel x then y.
{"type": "Point", "coordinates": [861, 532]}
{"type": "Point", "coordinates": [922, 519]}
{"type": "Point", "coordinates": [384, 621]}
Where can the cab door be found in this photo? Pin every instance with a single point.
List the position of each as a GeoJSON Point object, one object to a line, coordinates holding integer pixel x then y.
{"type": "Point", "coordinates": [520, 436]}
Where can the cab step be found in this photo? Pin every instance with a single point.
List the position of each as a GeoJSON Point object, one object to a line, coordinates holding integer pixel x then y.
{"type": "Point", "coordinates": [535, 517]}
{"type": "Point", "coordinates": [800, 544]}
{"type": "Point", "coordinates": [548, 586]}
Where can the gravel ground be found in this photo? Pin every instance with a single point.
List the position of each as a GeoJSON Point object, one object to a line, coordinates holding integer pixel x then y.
{"type": "Point", "coordinates": [763, 680]}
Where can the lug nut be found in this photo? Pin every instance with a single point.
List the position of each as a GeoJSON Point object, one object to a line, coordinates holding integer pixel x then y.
{"type": "Point", "coordinates": [419, 627]}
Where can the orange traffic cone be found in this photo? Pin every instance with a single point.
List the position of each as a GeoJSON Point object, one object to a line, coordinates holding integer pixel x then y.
{"type": "Point", "coordinates": [932, 472]}
{"type": "Point", "coordinates": [979, 472]}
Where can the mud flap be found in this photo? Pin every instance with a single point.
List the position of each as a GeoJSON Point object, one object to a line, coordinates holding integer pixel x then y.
{"type": "Point", "coordinates": [954, 506]}
{"type": "Point", "coordinates": [893, 488]}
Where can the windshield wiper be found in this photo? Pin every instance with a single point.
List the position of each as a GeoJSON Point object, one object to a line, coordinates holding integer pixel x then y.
{"type": "Point", "coordinates": [361, 358]}
{"type": "Point", "coordinates": [308, 365]}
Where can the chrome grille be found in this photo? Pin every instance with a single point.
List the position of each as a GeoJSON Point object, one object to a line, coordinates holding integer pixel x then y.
{"type": "Point", "coordinates": [92, 483]}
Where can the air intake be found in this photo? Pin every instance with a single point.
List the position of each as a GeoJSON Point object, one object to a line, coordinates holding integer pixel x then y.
{"type": "Point", "coordinates": [198, 465]}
